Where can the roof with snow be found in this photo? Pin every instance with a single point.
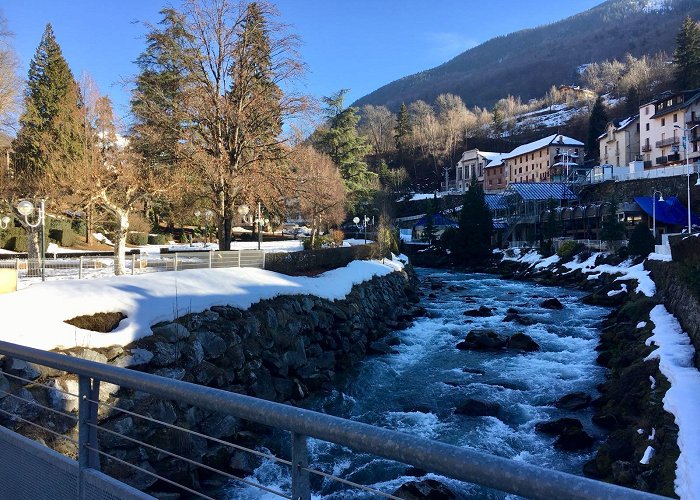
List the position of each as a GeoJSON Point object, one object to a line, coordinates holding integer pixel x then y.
{"type": "Point", "coordinates": [620, 124]}
{"type": "Point", "coordinates": [552, 140]}
{"type": "Point", "coordinates": [540, 191]}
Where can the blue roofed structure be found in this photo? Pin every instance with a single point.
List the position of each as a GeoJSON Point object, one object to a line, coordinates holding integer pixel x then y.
{"type": "Point", "coordinates": [540, 191]}
{"type": "Point", "coordinates": [668, 211]}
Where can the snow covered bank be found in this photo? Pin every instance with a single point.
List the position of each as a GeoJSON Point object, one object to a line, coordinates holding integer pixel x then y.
{"type": "Point", "coordinates": [35, 316]}
{"type": "Point", "coordinates": [675, 355]}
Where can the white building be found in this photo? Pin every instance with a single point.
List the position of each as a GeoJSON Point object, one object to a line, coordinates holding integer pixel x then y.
{"type": "Point", "coordinates": [473, 163]}
{"type": "Point", "coordinates": [619, 145]}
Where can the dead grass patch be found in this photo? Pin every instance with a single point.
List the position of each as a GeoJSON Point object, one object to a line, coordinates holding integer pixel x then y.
{"type": "Point", "coordinates": [99, 322]}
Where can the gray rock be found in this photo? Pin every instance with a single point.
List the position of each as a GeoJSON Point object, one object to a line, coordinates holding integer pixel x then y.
{"type": "Point", "coordinates": [174, 373]}
{"type": "Point", "coordinates": [476, 408]}
{"type": "Point", "coordinates": [166, 353]}
{"type": "Point", "coordinates": [552, 303]}
{"type": "Point", "coordinates": [122, 425]}
{"type": "Point", "coordinates": [23, 405]}
{"type": "Point", "coordinates": [133, 358]}
{"type": "Point", "coordinates": [483, 339]}
{"type": "Point", "coordinates": [426, 489]}
{"type": "Point", "coordinates": [574, 401]}
{"type": "Point", "coordinates": [192, 354]}
{"type": "Point", "coordinates": [4, 386]}
{"type": "Point", "coordinates": [21, 368]}
{"type": "Point", "coordinates": [213, 345]}
{"type": "Point", "coordinates": [88, 354]}
{"type": "Point", "coordinates": [220, 426]}
{"type": "Point", "coordinates": [522, 342]}
{"type": "Point", "coordinates": [171, 332]}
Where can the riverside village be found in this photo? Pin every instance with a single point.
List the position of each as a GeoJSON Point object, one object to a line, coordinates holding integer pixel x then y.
{"type": "Point", "coordinates": [341, 250]}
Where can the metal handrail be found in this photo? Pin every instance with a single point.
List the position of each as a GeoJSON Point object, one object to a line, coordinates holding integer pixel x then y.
{"type": "Point", "coordinates": [459, 463]}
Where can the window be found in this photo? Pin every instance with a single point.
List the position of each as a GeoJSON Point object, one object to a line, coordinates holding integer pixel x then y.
{"type": "Point", "coordinates": [647, 128]}
{"type": "Point", "coordinates": [637, 127]}
{"type": "Point", "coordinates": [646, 110]}
{"type": "Point", "coordinates": [669, 102]}
{"type": "Point", "coordinates": [675, 117]}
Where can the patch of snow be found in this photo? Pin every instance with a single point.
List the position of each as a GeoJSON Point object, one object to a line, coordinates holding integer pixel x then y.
{"type": "Point", "coordinates": [640, 431]}
{"type": "Point", "coordinates": [653, 382]}
{"type": "Point", "coordinates": [549, 261]}
{"type": "Point", "coordinates": [653, 434]}
{"type": "Point", "coordinates": [675, 354]}
{"type": "Point", "coordinates": [619, 291]}
{"type": "Point", "coordinates": [641, 324]}
{"type": "Point", "coordinates": [150, 298]}
{"type": "Point", "coordinates": [648, 453]}
{"type": "Point", "coordinates": [102, 239]}
{"type": "Point", "coordinates": [660, 256]}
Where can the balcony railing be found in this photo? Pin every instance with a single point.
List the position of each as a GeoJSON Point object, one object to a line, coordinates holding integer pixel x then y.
{"type": "Point", "coordinates": [646, 148]}
{"type": "Point", "coordinates": [668, 142]}
{"type": "Point", "coordinates": [661, 160]}
{"type": "Point", "coordinates": [674, 157]}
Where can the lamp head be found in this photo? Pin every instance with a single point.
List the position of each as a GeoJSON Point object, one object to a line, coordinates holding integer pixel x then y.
{"type": "Point", "coordinates": [197, 213]}
{"type": "Point", "coordinates": [5, 220]}
{"type": "Point", "coordinates": [243, 210]}
{"type": "Point", "coordinates": [356, 220]}
{"type": "Point", "coordinates": [697, 182]}
{"type": "Point", "coordinates": [661, 197]}
{"type": "Point", "coordinates": [25, 207]}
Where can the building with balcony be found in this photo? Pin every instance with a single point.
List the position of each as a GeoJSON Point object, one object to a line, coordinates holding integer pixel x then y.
{"type": "Point", "coordinates": [619, 145]}
{"type": "Point", "coordinates": [663, 122]}
{"type": "Point", "coordinates": [556, 158]}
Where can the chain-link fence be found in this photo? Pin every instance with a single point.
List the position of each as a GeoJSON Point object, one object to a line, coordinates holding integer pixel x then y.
{"type": "Point", "coordinates": [27, 271]}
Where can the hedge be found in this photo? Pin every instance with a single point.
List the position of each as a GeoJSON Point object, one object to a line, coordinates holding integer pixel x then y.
{"type": "Point", "coordinates": [137, 239]}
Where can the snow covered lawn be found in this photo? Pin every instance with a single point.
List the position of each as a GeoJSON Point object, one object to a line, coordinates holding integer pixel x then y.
{"type": "Point", "coordinates": [675, 354]}
{"type": "Point", "coordinates": [35, 316]}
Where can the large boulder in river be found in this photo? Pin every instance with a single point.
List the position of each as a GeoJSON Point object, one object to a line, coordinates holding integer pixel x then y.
{"type": "Point", "coordinates": [482, 312]}
{"type": "Point", "coordinates": [476, 408]}
{"type": "Point", "coordinates": [573, 439]}
{"type": "Point", "coordinates": [483, 339]}
{"type": "Point", "coordinates": [427, 489]}
{"type": "Point", "coordinates": [557, 427]}
{"type": "Point", "coordinates": [552, 303]}
{"type": "Point", "coordinates": [522, 342]}
{"type": "Point", "coordinates": [574, 401]}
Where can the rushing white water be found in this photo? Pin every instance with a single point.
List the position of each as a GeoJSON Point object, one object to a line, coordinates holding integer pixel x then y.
{"type": "Point", "coordinates": [416, 391]}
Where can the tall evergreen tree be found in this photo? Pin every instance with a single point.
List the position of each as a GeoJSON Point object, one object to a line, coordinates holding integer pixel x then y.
{"type": "Point", "coordinates": [596, 126]}
{"type": "Point", "coordinates": [686, 58]}
{"type": "Point", "coordinates": [49, 138]}
{"type": "Point", "coordinates": [612, 229]}
{"type": "Point", "coordinates": [347, 148]}
{"type": "Point", "coordinates": [473, 241]}
{"type": "Point", "coordinates": [402, 130]}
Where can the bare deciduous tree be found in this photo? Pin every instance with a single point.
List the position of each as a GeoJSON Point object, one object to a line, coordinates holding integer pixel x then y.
{"type": "Point", "coordinates": [377, 124]}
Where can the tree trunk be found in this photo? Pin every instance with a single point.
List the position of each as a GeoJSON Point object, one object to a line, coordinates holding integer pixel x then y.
{"type": "Point", "coordinates": [33, 250]}
{"type": "Point", "coordinates": [313, 231]}
{"type": "Point", "coordinates": [89, 226]}
{"type": "Point", "coordinates": [120, 242]}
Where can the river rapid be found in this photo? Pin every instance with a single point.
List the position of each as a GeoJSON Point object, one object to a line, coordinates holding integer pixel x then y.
{"type": "Point", "coordinates": [417, 389]}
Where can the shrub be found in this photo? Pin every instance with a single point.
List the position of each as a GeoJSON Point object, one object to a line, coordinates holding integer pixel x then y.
{"type": "Point", "coordinates": [159, 239]}
{"type": "Point", "coordinates": [138, 239]}
{"type": "Point", "coordinates": [641, 241]}
{"type": "Point", "coordinates": [79, 227]}
{"type": "Point", "coordinates": [64, 237]}
{"type": "Point", "coordinates": [138, 223]}
{"type": "Point", "coordinates": [568, 250]}
{"type": "Point", "coordinates": [337, 236]}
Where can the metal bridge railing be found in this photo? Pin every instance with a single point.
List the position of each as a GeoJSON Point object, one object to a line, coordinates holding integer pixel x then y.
{"type": "Point", "coordinates": [30, 270]}
{"type": "Point", "coordinates": [452, 461]}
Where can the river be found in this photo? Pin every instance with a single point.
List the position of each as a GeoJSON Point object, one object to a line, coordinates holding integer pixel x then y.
{"type": "Point", "coordinates": [417, 389]}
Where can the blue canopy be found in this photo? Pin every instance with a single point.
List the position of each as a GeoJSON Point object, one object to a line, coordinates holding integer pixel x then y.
{"type": "Point", "coordinates": [438, 220]}
{"type": "Point", "coordinates": [669, 211]}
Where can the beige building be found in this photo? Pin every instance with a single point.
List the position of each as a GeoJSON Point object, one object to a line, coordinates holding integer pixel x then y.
{"type": "Point", "coordinates": [495, 175]}
{"type": "Point", "coordinates": [619, 145]}
{"type": "Point", "coordinates": [552, 159]}
{"type": "Point", "coordinates": [473, 163]}
{"type": "Point", "coordinates": [663, 122]}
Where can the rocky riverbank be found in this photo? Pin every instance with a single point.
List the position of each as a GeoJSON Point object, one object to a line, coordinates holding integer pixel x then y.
{"type": "Point", "coordinates": [281, 349]}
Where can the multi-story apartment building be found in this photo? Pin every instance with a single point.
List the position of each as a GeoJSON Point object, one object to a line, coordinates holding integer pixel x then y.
{"type": "Point", "coordinates": [472, 164]}
{"type": "Point", "coordinates": [619, 145]}
{"type": "Point", "coordinates": [495, 175]}
{"type": "Point", "coordinates": [663, 122]}
{"type": "Point", "coordinates": [552, 159]}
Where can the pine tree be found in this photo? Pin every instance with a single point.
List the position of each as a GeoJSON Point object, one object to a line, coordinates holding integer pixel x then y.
{"type": "Point", "coordinates": [596, 126]}
{"type": "Point", "coordinates": [641, 240]}
{"type": "Point", "coordinates": [613, 229]}
{"type": "Point", "coordinates": [402, 130]}
{"type": "Point", "coordinates": [347, 148]}
{"type": "Point", "coordinates": [686, 58]}
{"type": "Point", "coordinates": [473, 240]}
{"type": "Point", "coordinates": [49, 138]}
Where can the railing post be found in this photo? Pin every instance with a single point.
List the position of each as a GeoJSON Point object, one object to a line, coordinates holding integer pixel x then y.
{"type": "Point", "coordinates": [239, 257]}
{"type": "Point", "coordinates": [133, 264]}
{"type": "Point", "coordinates": [16, 274]}
{"type": "Point", "coordinates": [263, 259]}
{"type": "Point", "coordinates": [88, 457]}
{"type": "Point", "coordinates": [210, 253]}
{"type": "Point", "coordinates": [175, 262]}
{"type": "Point", "coordinates": [301, 489]}
{"type": "Point", "coordinates": [80, 267]}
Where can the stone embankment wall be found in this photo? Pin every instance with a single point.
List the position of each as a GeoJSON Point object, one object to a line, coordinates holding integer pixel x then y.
{"type": "Point", "coordinates": [626, 191]}
{"type": "Point", "coordinates": [281, 349]}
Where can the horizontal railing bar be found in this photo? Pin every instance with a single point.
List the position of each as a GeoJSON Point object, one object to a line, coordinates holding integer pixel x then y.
{"type": "Point", "coordinates": [40, 427]}
{"type": "Point", "coordinates": [152, 474]}
{"type": "Point", "coordinates": [39, 384]}
{"type": "Point", "coordinates": [188, 460]}
{"type": "Point", "coordinates": [195, 433]}
{"type": "Point", "coordinates": [35, 403]}
{"type": "Point", "coordinates": [459, 463]}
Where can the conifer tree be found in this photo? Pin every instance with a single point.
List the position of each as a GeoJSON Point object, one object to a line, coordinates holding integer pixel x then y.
{"type": "Point", "coordinates": [596, 126]}
{"type": "Point", "coordinates": [613, 229]}
{"type": "Point", "coordinates": [686, 58]}
{"type": "Point", "coordinates": [49, 138]}
{"type": "Point", "coordinates": [473, 240]}
{"type": "Point", "coordinates": [347, 149]}
{"type": "Point", "coordinates": [641, 240]}
{"type": "Point", "coordinates": [402, 130]}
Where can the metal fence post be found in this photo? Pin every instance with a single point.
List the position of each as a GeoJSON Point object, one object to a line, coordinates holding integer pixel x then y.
{"type": "Point", "coordinates": [210, 253]}
{"type": "Point", "coordinates": [80, 268]}
{"type": "Point", "coordinates": [16, 274]}
{"type": "Point", "coordinates": [133, 264]}
{"type": "Point", "coordinates": [239, 257]}
{"type": "Point", "coordinates": [301, 489]}
{"type": "Point", "coordinates": [263, 259]}
{"type": "Point", "coordinates": [88, 457]}
{"type": "Point", "coordinates": [175, 262]}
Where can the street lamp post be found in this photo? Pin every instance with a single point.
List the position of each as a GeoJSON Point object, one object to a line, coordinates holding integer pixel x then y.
{"type": "Point", "coordinates": [260, 222]}
{"type": "Point", "coordinates": [27, 208]}
{"type": "Point", "coordinates": [686, 134]}
{"type": "Point", "coordinates": [243, 211]}
{"type": "Point", "coordinates": [653, 209]}
{"type": "Point", "coordinates": [4, 222]}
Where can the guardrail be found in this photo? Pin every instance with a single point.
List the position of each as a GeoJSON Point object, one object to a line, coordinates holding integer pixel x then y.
{"type": "Point", "coordinates": [81, 267]}
{"type": "Point", "coordinates": [459, 463]}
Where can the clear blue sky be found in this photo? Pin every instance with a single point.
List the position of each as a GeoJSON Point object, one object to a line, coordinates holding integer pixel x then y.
{"type": "Point", "coordinates": [355, 44]}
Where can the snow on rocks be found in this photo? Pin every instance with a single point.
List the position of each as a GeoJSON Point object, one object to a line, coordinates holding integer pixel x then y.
{"type": "Point", "coordinates": [152, 298]}
{"type": "Point", "coordinates": [648, 453]}
{"type": "Point", "coordinates": [675, 354]}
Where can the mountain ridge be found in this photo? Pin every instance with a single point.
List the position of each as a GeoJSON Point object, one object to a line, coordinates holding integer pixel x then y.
{"type": "Point", "coordinates": [527, 62]}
